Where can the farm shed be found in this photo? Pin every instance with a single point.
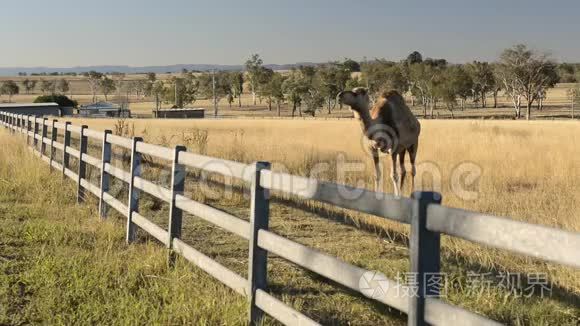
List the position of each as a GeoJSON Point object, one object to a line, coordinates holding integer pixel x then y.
{"type": "Point", "coordinates": [198, 113]}
{"type": "Point", "coordinates": [36, 109]}
{"type": "Point", "coordinates": [103, 110]}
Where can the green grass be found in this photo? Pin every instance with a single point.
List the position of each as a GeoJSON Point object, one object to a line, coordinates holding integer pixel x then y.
{"type": "Point", "coordinates": [60, 265]}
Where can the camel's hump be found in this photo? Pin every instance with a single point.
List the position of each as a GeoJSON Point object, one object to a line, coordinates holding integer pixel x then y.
{"type": "Point", "coordinates": [392, 95]}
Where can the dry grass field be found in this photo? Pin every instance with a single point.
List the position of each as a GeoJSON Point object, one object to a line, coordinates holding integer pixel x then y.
{"type": "Point", "coordinates": [525, 170]}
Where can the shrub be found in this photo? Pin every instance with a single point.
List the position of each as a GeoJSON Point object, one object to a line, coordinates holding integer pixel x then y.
{"type": "Point", "coordinates": [62, 100]}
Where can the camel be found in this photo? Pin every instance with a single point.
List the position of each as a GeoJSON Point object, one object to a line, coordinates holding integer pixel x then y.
{"type": "Point", "coordinates": [391, 128]}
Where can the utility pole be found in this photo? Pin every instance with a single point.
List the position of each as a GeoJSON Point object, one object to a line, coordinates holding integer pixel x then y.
{"type": "Point", "coordinates": [215, 106]}
{"type": "Point", "coordinates": [176, 80]}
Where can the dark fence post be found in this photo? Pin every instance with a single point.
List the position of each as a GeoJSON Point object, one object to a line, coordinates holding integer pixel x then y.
{"type": "Point", "coordinates": [425, 257]}
{"type": "Point", "coordinates": [44, 133]}
{"type": "Point", "coordinates": [105, 179]}
{"type": "Point", "coordinates": [175, 214]}
{"type": "Point", "coordinates": [258, 257]}
{"type": "Point", "coordinates": [53, 139]}
{"type": "Point", "coordinates": [133, 204]}
{"type": "Point", "coordinates": [28, 130]}
{"type": "Point", "coordinates": [82, 164]}
{"type": "Point", "coordinates": [66, 143]}
{"type": "Point", "coordinates": [34, 139]}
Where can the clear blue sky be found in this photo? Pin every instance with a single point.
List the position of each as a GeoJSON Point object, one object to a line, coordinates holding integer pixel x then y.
{"type": "Point", "coordinates": [63, 33]}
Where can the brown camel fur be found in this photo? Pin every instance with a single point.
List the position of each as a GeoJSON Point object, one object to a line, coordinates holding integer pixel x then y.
{"type": "Point", "coordinates": [391, 128]}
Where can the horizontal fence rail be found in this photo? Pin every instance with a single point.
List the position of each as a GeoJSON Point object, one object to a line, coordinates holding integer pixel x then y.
{"type": "Point", "coordinates": [423, 212]}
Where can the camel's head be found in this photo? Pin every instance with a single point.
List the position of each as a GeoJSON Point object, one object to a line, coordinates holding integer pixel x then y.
{"type": "Point", "coordinates": [357, 99]}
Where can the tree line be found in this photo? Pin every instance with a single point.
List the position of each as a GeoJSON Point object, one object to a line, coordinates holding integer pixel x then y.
{"type": "Point", "coordinates": [520, 74]}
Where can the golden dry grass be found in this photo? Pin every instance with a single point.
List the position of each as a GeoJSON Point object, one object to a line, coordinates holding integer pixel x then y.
{"type": "Point", "coordinates": [529, 171]}
{"type": "Point", "coordinates": [524, 164]}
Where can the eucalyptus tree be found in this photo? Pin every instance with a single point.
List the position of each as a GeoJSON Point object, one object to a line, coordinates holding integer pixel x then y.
{"type": "Point", "coordinates": [63, 86]}
{"type": "Point", "coordinates": [483, 80]}
{"type": "Point", "coordinates": [332, 79]}
{"type": "Point", "coordinates": [9, 88]}
{"type": "Point", "coordinates": [29, 85]}
{"type": "Point", "coordinates": [237, 85]}
{"type": "Point", "coordinates": [47, 86]}
{"type": "Point", "coordinates": [107, 86]}
{"type": "Point", "coordinates": [94, 80]}
{"type": "Point", "coordinates": [253, 68]}
{"type": "Point", "coordinates": [525, 74]}
{"type": "Point", "coordinates": [157, 90]}
{"type": "Point", "coordinates": [214, 85]}
{"type": "Point", "coordinates": [295, 87]}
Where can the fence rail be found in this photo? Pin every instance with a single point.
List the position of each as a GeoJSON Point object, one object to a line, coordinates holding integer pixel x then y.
{"type": "Point", "coordinates": [428, 220]}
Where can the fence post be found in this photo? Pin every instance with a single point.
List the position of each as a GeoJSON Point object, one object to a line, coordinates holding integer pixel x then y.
{"type": "Point", "coordinates": [82, 165]}
{"type": "Point", "coordinates": [175, 214]}
{"type": "Point", "coordinates": [66, 143]}
{"type": "Point", "coordinates": [53, 138]}
{"type": "Point", "coordinates": [28, 130]}
{"type": "Point", "coordinates": [258, 257]}
{"type": "Point", "coordinates": [44, 133]}
{"type": "Point", "coordinates": [105, 179]}
{"type": "Point", "coordinates": [34, 139]}
{"type": "Point", "coordinates": [425, 257]}
{"type": "Point", "coordinates": [133, 205]}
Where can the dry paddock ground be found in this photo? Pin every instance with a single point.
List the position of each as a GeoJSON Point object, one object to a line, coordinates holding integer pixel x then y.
{"type": "Point", "coordinates": [526, 170]}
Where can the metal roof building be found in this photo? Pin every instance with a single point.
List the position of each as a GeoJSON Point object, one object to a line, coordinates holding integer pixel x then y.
{"type": "Point", "coordinates": [103, 109]}
{"type": "Point", "coordinates": [37, 109]}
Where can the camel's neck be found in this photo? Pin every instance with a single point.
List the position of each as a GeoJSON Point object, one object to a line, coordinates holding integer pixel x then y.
{"type": "Point", "coordinates": [364, 117]}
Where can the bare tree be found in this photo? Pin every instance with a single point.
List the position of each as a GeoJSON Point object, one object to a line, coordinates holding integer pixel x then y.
{"type": "Point", "coordinates": [107, 86]}
{"type": "Point", "coordinates": [119, 79]}
{"type": "Point", "coordinates": [47, 86]}
{"type": "Point", "coordinates": [63, 86]}
{"type": "Point", "coordinates": [525, 74]}
{"type": "Point", "coordinates": [574, 97]}
{"type": "Point", "coordinates": [29, 85]}
{"type": "Point", "coordinates": [94, 79]}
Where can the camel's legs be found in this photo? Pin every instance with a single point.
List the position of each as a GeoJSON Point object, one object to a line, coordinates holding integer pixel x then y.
{"type": "Point", "coordinates": [394, 175]}
{"type": "Point", "coordinates": [412, 156]}
{"type": "Point", "coordinates": [378, 174]}
{"type": "Point", "coordinates": [403, 171]}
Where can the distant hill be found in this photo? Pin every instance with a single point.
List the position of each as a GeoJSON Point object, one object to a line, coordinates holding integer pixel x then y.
{"type": "Point", "coordinates": [13, 71]}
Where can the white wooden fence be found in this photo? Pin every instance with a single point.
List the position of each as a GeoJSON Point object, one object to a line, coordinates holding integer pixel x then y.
{"type": "Point", "coordinates": [428, 220]}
